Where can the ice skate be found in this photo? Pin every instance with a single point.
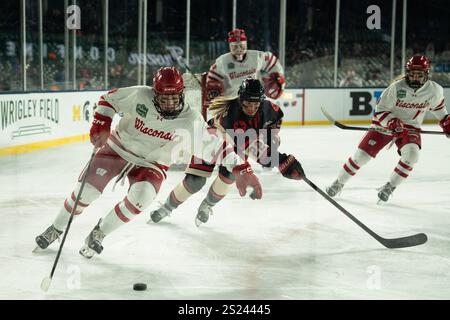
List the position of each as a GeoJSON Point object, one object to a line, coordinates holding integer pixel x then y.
{"type": "Point", "coordinates": [385, 192]}
{"type": "Point", "coordinates": [204, 211]}
{"type": "Point", "coordinates": [46, 238]}
{"type": "Point", "coordinates": [334, 189]}
{"type": "Point", "coordinates": [159, 214]}
{"type": "Point", "coordinates": [93, 242]}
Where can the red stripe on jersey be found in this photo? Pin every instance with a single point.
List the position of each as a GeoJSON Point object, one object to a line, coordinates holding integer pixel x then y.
{"type": "Point", "coordinates": [268, 63]}
{"type": "Point", "coordinates": [120, 214]}
{"type": "Point", "coordinates": [220, 151]}
{"type": "Point", "coordinates": [439, 105]}
{"type": "Point", "coordinates": [375, 122]}
{"type": "Point", "coordinates": [354, 165]}
{"type": "Point", "coordinates": [417, 113]}
{"type": "Point", "coordinates": [216, 74]}
{"type": "Point", "coordinates": [350, 172]}
{"type": "Point", "coordinates": [213, 80]}
{"type": "Point", "coordinates": [437, 109]}
{"type": "Point", "coordinates": [81, 204]}
{"type": "Point", "coordinates": [384, 116]}
{"type": "Point", "coordinates": [130, 206]}
{"type": "Point", "coordinates": [106, 104]}
{"type": "Point", "coordinates": [227, 152]}
{"type": "Point", "coordinates": [404, 165]}
{"type": "Point", "coordinates": [380, 112]}
{"type": "Point", "coordinates": [400, 173]}
{"type": "Point", "coordinates": [273, 65]}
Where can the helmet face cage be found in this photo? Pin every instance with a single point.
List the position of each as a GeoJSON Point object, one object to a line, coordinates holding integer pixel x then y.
{"type": "Point", "coordinates": [168, 114]}
{"type": "Point", "coordinates": [238, 43]}
{"type": "Point", "coordinates": [251, 90]}
{"type": "Point", "coordinates": [168, 82]}
{"type": "Point", "coordinates": [417, 71]}
{"type": "Point", "coordinates": [238, 49]}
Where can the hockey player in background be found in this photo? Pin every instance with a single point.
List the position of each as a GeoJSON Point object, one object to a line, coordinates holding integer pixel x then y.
{"type": "Point", "coordinates": [251, 123]}
{"type": "Point", "coordinates": [399, 115]}
{"type": "Point", "coordinates": [230, 69]}
{"type": "Point", "coordinates": [156, 122]}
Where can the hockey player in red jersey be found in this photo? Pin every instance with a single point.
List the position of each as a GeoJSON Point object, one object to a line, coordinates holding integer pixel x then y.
{"type": "Point", "coordinates": [252, 123]}
{"type": "Point", "coordinates": [140, 148]}
{"type": "Point", "coordinates": [230, 69]}
{"type": "Point", "coordinates": [399, 115]}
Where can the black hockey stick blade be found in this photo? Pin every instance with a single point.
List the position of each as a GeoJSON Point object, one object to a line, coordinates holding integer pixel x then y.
{"type": "Point", "coordinates": [394, 243]}
{"type": "Point", "coordinates": [409, 241]}
{"type": "Point", "coordinates": [345, 127]}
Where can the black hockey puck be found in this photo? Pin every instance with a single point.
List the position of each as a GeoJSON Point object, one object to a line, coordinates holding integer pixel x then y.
{"type": "Point", "coordinates": [139, 286]}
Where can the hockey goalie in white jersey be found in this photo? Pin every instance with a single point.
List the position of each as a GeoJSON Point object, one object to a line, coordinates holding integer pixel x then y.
{"type": "Point", "coordinates": [399, 115]}
{"type": "Point", "coordinates": [156, 125]}
{"type": "Point", "coordinates": [230, 69]}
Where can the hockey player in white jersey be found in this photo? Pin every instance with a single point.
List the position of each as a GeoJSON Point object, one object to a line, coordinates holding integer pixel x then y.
{"type": "Point", "coordinates": [230, 69]}
{"type": "Point", "coordinates": [399, 115]}
{"type": "Point", "coordinates": [156, 124]}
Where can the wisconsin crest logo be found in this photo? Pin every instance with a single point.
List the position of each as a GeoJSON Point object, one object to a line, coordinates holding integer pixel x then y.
{"type": "Point", "coordinates": [401, 94]}
{"type": "Point", "coordinates": [141, 110]}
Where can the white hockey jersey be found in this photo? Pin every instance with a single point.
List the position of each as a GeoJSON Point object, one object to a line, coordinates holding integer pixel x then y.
{"type": "Point", "coordinates": [402, 102]}
{"type": "Point", "coordinates": [230, 73]}
{"type": "Point", "coordinates": [144, 138]}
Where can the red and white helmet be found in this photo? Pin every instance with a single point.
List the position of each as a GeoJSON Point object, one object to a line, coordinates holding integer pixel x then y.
{"type": "Point", "coordinates": [168, 81]}
{"type": "Point", "coordinates": [417, 63]}
{"type": "Point", "coordinates": [237, 35]}
{"type": "Point", "coordinates": [237, 40]}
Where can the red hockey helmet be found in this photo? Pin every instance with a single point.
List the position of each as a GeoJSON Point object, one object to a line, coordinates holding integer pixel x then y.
{"type": "Point", "coordinates": [237, 35]}
{"type": "Point", "coordinates": [168, 86]}
{"type": "Point", "coordinates": [237, 40]}
{"type": "Point", "coordinates": [417, 71]}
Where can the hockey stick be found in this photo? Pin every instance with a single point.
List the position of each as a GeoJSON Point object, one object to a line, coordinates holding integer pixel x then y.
{"type": "Point", "coordinates": [181, 63]}
{"type": "Point", "coordinates": [45, 284]}
{"type": "Point", "coordinates": [409, 241]}
{"type": "Point", "coordinates": [345, 127]}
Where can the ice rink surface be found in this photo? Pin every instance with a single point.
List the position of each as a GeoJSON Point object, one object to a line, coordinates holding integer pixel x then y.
{"type": "Point", "coordinates": [293, 244]}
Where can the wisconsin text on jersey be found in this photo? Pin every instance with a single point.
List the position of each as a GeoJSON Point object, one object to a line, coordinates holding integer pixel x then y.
{"type": "Point", "coordinates": [234, 75]}
{"type": "Point", "coordinates": [139, 125]}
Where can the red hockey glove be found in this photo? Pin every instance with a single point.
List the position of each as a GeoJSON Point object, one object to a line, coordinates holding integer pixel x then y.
{"type": "Point", "coordinates": [274, 85]}
{"type": "Point", "coordinates": [290, 167]}
{"type": "Point", "coordinates": [245, 178]}
{"type": "Point", "coordinates": [397, 127]}
{"type": "Point", "coordinates": [445, 124]}
{"type": "Point", "coordinates": [100, 130]}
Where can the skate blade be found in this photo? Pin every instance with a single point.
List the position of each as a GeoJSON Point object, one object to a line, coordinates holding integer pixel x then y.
{"type": "Point", "coordinates": [198, 223]}
{"type": "Point", "coordinates": [380, 202]}
{"type": "Point", "coordinates": [45, 284]}
{"type": "Point", "coordinates": [37, 250]}
{"type": "Point", "coordinates": [87, 252]}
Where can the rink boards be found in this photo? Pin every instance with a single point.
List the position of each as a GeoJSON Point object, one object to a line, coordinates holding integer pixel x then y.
{"type": "Point", "coordinates": [33, 121]}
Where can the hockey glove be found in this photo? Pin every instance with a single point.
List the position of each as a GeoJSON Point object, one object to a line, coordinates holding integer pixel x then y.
{"type": "Point", "coordinates": [397, 128]}
{"type": "Point", "coordinates": [274, 85]}
{"type": "Point", "coordinates": [445, 125]}
{"type": "Point", "coordinates": [100, 130]}
{"type": "Point", "coordinates": [290, 167]}
{"type": "Point", "coordinates": [245, 178]}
